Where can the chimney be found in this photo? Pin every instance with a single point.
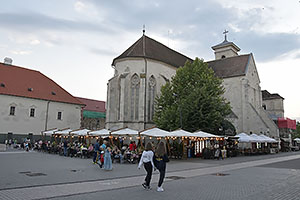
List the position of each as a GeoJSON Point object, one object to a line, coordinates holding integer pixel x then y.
{"type": "Point", "coordinates": [8, 61]}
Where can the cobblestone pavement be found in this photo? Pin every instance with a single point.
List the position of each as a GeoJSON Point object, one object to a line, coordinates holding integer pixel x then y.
{"type": "Point", "coordinates": [262, 177]}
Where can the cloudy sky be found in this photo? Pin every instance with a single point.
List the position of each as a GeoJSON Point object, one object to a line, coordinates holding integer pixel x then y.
{"type": "Point", "coordinates": [74, 41]}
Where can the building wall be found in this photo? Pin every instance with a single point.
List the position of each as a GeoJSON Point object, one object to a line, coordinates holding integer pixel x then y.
{"type": "Point", "coordinates": [244, 95]}
{"type": "Point", "coordinates": [22, 124]}
{"type": "Point", "coordinates": [119, 100]}
{"type": "Point", "coordinates": [274, 107]}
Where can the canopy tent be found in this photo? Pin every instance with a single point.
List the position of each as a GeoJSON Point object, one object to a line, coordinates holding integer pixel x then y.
{"type": "Point", "coordinates": [181, 133]}
{"type": "Point", "coordinates": [50, 132]}
{"type": "Point", "coordinates": [205, 135]}
{"type": "Point", "coordinates": [102, 132]}
{"type": "Point", "coordinates": [63, 131]}
{"type": "Point", "coordinates": [268, 139]}
{"type": "Point", "coordinates": [80, 132]}
{"type": "Point", "coordinates": [243, 137]}
{"type": "Point", "coordinates": [256, 138]}
{"type": "Point", "coordinates": [125, 132]}
{"type": "Point", "coordinates": [155, 132]}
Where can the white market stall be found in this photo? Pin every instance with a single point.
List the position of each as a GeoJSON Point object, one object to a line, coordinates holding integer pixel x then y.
{"type": "Point", "coordinates": [125, 135]}
{"type": "Point", "coordinates": [49, 132]}
{"type": "Point", "coordinates": [99, 133]}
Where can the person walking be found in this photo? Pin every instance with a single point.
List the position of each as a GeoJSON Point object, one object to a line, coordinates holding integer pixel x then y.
{"type": "Point", "coordinates": [147, 160]}
{"type": "Point", "coordinates": [96, 152]}
{"type": "Point", "coordinates": [107, 159]}
{"type": "Point", "coordinates": [160, 159]}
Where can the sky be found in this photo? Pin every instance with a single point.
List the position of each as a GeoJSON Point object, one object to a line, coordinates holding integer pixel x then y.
{"type": "Point", "coordinates": [73, 42]}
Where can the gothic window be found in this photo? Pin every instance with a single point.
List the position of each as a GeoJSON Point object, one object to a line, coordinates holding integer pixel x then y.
{"type": "Point", "coordinates": [134, 95]}
{"type": "Point", "coordinates": [151, 95]}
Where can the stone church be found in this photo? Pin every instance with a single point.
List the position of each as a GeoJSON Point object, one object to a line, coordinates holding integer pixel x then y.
{"type": "Point", "coordinates": [145, 66]}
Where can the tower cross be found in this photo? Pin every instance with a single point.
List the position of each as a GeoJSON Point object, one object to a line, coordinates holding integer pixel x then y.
{"type": "Point", "coordinates": [144, 29]}
{"type": "Point", "coordinates": [225, 33]}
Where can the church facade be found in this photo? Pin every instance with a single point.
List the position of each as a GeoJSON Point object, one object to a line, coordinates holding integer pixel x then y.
{"type": "Point", "coordinates": [147, 65]}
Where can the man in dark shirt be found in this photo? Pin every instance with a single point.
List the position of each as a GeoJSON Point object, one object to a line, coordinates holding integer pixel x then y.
{"type": "Point", "coordinates": [96, 152]}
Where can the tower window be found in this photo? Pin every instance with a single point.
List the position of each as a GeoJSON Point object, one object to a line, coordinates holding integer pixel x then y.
{"type": "Point", "coordinates": [12, 110]}
{"type": "Point", "coordinates": [32, 111]}
{"type": "Point", "coordinates": [59, 115]}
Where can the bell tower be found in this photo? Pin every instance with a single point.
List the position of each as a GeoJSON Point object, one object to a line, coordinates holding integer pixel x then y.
{"type": "Point", "coordinates": [225, 49]}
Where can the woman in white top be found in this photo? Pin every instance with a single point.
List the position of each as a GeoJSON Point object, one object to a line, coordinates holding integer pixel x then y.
{"type": "Point", "coordinates": [147, 160]}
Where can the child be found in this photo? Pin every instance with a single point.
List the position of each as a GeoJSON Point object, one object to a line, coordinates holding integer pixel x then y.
{"type": "Point", "coordinates": [147, 160]}
{"type": "Point", "coordinates": [160, 160]}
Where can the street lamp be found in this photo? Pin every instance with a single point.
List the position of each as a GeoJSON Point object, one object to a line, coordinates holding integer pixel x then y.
{"type": "Point", "coordinates": [180, 114]}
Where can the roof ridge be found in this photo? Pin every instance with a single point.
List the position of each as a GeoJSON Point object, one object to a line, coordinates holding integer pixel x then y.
{"type": "Point", "coordinates": [227, 58]}
{"type": "Point", "coordinates": [168, 47]}
{"type": "Point", "coordinates": [11, 65]}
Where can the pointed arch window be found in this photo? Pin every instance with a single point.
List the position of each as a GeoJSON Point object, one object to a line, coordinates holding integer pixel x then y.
{"type": "Point", "coordinates": [134, 94]}
{"type": "Point", "coordinates": [151, 99]}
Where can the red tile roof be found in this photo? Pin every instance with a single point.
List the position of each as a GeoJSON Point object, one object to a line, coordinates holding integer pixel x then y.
{"type": "Point", "coordinates": [19, 81]}
{"type": "Point", "coordinates": [93, 105]}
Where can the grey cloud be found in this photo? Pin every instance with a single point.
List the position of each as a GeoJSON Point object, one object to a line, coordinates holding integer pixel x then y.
{"type": "Point", "coordinates": [36, 21]}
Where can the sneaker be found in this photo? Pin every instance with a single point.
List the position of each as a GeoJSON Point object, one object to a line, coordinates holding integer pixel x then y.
{"type": "Point", "coordinates": [160, 189]}
{"type": "Point", "coordinates": [145, 186]}
{"type": "Point", "coordinates": [149, 188]}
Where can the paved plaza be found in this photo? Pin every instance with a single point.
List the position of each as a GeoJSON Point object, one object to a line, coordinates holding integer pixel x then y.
{"type": "Point", "coordinates": [35, 175]}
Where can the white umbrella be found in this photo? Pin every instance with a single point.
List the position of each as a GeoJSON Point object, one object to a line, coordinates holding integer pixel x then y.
{"type": "Point", "coordinates": [81, 132]}
{"type": "Point", "coordinates": [155, 132]}
{"type": "Point", "coordinates": [125, 132]}
{"type": "Point", "coordinates": [102, 132]}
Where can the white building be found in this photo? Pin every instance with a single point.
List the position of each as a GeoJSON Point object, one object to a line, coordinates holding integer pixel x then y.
{"type": "Point", "coordinates": [30, 103]}
{"type": "Point", "coordinates": [145, 66]}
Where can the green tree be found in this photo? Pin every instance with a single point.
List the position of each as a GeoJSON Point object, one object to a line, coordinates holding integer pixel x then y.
{"type": "Point", "coordinates": [192, 100]}
{"type": "Point", "coordinates": [297, 131]}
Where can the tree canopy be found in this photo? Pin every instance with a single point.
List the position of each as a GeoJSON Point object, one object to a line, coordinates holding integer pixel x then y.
{"type": "Point", "coordinates": [192, 100]}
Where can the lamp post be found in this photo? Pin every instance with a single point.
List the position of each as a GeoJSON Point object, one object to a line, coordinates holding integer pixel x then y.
{"type": "Point", "coordinates": [180, 114]}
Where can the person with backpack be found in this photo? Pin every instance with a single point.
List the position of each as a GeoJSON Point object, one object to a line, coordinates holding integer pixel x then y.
{"type": "Point", "coordinates": [160, 159]}
{"type": "Point", "coordinates": [147, 161]}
